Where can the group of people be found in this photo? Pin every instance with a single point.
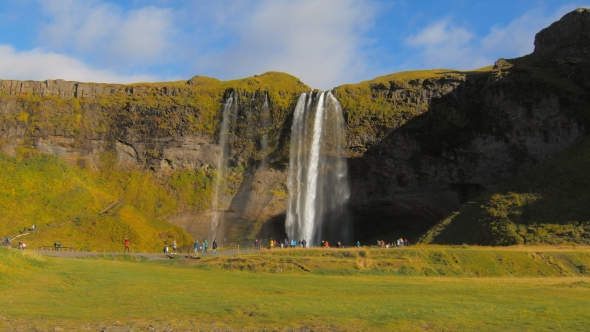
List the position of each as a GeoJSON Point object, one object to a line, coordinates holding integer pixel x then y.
{"type": "Point", "coordinates": [21, 245]}
{"type": "Point", "coordinates": [8, 242]}
{"type": "Point", "coordinates": [397, 243]}
{"type": "Point", "coordinates": [283, 244]}
{"type": "Point", "coordinates": [167, 250]}
{"type": "Point", "coordinates": [204, 247]}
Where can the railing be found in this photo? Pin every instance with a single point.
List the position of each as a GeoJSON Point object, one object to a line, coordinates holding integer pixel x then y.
{"type": "Point", "coordinates": [54, 248]}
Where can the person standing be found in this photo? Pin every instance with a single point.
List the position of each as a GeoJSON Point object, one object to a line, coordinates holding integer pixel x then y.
{"type": "Point", "coordinates": [214, 246]}
{"type": "Point", "coordinates": [203, 248]}
{"type": "Point", "coordinates": [206, 246]}
{"type": "Point", "coordinates": [196, 247]}
{"type": "Point", "coordinates": [126, 245]}
{"type": "Point", "coordinates": [272, 243]}
{"type": "Point", "coordinates": [174, 247]}
{"type": "Point", "coordinates": [358, 244]}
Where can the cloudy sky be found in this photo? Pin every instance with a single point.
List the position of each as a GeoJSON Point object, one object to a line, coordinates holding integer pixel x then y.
{"type": "Point", "coordinates": [325, 43]}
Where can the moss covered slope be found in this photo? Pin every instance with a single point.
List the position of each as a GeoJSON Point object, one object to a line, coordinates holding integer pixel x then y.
{"type": "Point", "coordinates": [548, 204]}
{"type": "Point", "coordinates": [65, 204]}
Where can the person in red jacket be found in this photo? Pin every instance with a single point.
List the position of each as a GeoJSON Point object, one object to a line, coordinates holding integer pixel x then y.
{"type": "Point", "coordinates": [126, 245]}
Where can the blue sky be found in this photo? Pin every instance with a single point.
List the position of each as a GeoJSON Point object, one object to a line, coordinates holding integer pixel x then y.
{"type": "Point", "coordinates": [325, 43]}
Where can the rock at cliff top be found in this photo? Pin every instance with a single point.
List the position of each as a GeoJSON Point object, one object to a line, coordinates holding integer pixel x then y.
{"type": "Point", "coordinates": [567, 40]}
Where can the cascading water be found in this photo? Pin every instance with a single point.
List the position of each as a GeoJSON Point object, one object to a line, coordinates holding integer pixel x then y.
{"type": "Point", "coordinates": [228, 120]}
{"type": "Point", "coordinates": [317, 179]}
{"type": "Point", "coordinates": [265, 115]}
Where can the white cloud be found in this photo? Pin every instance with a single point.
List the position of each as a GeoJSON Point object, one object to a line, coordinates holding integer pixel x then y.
{"type": "Point", "coordinates": [518, 37]}
{"type": "Point", "coordinates": [317, 41]}
{"type": "Point", "coordinates": [443, 44]}
{"type": "Point", "coordinates": [107, 34]}
{"type": "Point", "coordinates": [440, 33]}
{"type": "Point", "coordinates": [447, 46]}
{"type": "Point", "coordinates": [38, 64]}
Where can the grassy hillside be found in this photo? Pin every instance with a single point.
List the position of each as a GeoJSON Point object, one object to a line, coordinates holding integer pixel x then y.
{"type": "Point", "coordinates": [416, 261]}
{"type": "Point", "coordinates": [549, 204]}
{"type": "Point", "coordinates": [64, 203]}
{"type": "Point", "coordinates": [182, 298]}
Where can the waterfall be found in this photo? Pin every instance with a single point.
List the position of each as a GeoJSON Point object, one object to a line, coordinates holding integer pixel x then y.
{"type": "Point", "coordinates": [265, 116]}
{"type": "Point", "coordinates": [317, 179]}
{"type": "Point", "coordinates": [228, 120]}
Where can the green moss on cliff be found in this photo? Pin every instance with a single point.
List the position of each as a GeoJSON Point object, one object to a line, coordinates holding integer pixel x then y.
{"type": "Point", "coordinates": [64, 204]}
{"type": "Point", "coordinates": [194, 190]}
{"type": "Point", "coordinates": [164, 109]}
{"type": "Point", "coordinates": [376, 107]}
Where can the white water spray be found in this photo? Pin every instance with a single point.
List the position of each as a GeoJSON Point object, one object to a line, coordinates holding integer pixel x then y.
{"type": "Point", "coordinates": [317, 179]}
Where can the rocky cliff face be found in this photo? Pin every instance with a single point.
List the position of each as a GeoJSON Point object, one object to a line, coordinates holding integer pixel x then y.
{"type": "Point", "coordinates": [419, 143]}
{"type": "Point", "coordinates": [437, 142]}
{"type": "Point", "coordinates": [566, 40]}
{"type": "Point", "coordinates": [163, 128]}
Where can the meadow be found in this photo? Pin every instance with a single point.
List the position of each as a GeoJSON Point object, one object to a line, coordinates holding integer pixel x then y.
{"type": "Point", "coordinates": [448, 288]}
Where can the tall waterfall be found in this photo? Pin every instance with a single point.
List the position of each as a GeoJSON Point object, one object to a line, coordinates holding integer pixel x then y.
{"type": "Point", "coordinates": [317, 180]}
{"type": "Point", "coordinates": [228, 121]}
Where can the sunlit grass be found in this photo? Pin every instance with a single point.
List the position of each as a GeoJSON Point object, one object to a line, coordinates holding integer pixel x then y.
{"type": "Point", "coordinates": [74, 292]}
{"type": "Point", "coordinates": [64, 203]}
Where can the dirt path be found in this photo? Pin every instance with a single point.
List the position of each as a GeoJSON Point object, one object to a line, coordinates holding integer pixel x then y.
{"type": "Point", "coordinates": [151, 256]}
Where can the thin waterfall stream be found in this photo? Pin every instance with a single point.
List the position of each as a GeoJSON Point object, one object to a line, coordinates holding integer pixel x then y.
{"type": "Point", "coordinates": [228, 121]}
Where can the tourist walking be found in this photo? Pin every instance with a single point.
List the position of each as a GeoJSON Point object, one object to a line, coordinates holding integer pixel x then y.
{"type": "Point", "coordinates": [214, 246]}
{"type": "Point", "coordinates": [304, 243]}
{"type": "Point", "coordinates": [196, 247]}
{"type": "Point", "coordinates": [174, 247]}
{"type": "Point", "coordinates": [272, 243]}
{"type": "Point", "coordinates": [203, 248]}
{"type": "Point", "coordinates": [126, 246]}
{"type": "Point", "coordinates": [206, 246]}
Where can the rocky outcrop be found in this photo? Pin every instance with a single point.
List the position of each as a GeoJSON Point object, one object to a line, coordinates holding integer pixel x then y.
{"type": "Point", "coordinates": [60, 88]}
{"type": "Point", "coordinates": [566, 40]}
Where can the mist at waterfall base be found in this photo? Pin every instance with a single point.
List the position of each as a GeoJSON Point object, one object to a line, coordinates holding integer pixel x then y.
{"type": "Point", "coordinates": [317, 178]}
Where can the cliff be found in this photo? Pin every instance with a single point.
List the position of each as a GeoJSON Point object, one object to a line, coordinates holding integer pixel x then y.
{"type": "Point", "coordinates": [420, 144]}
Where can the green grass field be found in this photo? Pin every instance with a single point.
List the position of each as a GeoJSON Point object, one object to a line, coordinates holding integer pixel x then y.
{"type": "Point", "coordinates": [186, 294]}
